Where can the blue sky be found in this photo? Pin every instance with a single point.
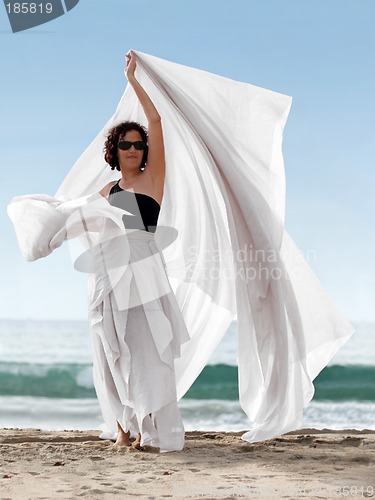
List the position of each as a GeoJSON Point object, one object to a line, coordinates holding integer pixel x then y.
{"type": "Point", "coordinates": [60, 82]}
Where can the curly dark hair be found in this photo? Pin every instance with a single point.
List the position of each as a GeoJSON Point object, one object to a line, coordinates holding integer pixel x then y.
{"type": "Point", "coordinates": [110, 146]}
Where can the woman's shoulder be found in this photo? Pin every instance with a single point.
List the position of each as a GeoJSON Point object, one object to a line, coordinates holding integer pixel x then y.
{"type": "Point", "coordinates": [107, 188]}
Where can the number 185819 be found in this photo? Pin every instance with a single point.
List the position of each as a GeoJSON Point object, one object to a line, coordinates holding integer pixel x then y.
{"type": "Point", "coordinates": [29, 8]}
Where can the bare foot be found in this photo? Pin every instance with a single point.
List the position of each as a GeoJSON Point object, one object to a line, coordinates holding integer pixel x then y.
{"type": "Point", "coordinates": [137, 443]}
{"type": "Point", "coordinates": [122, 437]}
{"type": "Point", "coordinates": [122, 440]}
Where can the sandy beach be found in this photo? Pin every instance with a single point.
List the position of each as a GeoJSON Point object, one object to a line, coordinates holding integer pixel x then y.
{"type": "Point", "coordinates": [308, 463]}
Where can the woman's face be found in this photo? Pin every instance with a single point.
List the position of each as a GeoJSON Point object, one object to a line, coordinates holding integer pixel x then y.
{"type": "Point", "coordinates": [131, 158]}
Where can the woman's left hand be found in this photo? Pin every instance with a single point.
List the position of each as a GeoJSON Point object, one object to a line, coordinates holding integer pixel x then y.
{"type": "Point", "coordinates": [130, 64]}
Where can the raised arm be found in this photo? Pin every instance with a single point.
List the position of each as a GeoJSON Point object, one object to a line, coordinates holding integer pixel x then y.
{"type": "Point", "coordinates": [156, 158]}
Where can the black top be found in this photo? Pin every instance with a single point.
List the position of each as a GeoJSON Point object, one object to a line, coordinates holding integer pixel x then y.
{"type": "Point", "coordinates": [145, 208]}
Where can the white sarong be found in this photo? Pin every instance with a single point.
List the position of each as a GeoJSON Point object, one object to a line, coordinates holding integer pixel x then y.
{"type": "Point", "coordinates": [137, 331]}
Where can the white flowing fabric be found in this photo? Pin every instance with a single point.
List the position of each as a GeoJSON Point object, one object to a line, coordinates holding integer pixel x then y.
{"type": "Point", "coordinates": [224, 195]}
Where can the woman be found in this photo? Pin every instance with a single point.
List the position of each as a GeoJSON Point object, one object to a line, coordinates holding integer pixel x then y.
{"type": "Point", "coordinates": [149, 381]}
{"type": "Point", "coordinates": [223, 142]}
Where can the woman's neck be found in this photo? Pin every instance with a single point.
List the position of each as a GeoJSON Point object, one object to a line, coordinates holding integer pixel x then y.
{"type": "Point", "coordinates": [128, 181]}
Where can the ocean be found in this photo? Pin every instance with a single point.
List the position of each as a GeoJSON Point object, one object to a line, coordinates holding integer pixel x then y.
{"type": "Point", "coordinates": [46, 382]}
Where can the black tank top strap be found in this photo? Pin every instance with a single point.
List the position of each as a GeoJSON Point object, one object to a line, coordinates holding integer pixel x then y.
{"type": "Point", "coordinates": [115, 188]}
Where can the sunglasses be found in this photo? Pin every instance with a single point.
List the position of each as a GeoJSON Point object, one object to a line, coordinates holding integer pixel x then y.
{"type": "Point", "coordinates": [125, 145]}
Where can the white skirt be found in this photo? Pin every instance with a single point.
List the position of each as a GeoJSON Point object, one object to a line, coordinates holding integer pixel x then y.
{"type": "Point", "coordinates": [137, 331]}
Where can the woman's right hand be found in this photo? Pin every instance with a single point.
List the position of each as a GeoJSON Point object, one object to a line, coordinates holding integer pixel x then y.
{"type": "Point", "coordinates": [130, 64]}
